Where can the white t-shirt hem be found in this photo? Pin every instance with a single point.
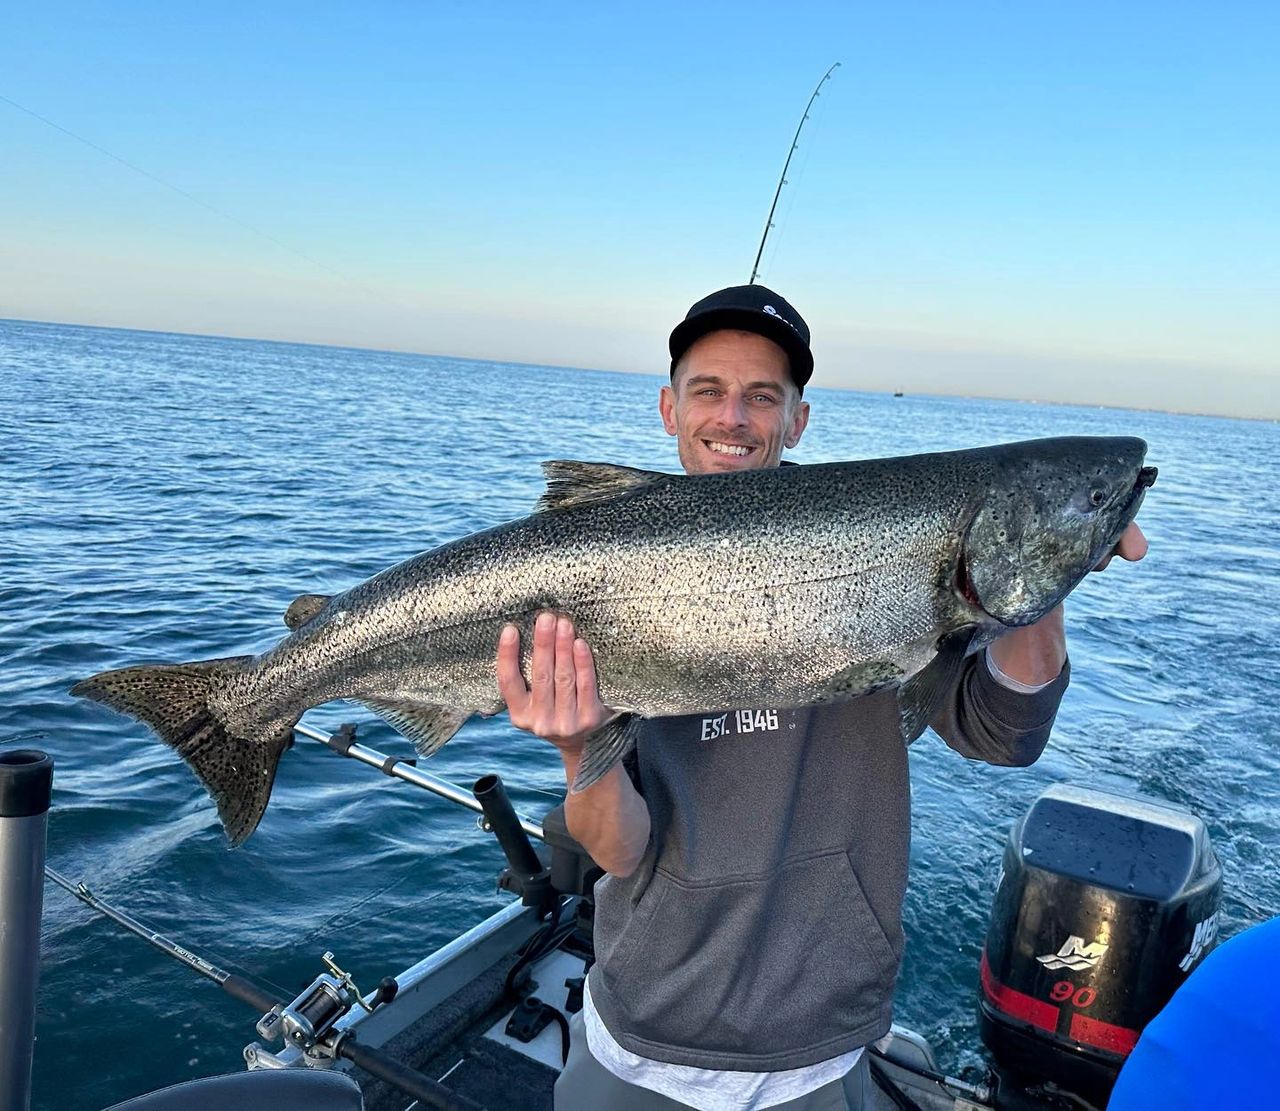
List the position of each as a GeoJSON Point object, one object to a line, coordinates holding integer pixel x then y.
{"type": "Point", "coordinates": [707, 1089]}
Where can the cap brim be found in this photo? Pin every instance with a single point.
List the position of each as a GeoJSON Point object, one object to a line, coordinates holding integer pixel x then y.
{"type": "Point", "coordinates": [688, 332]}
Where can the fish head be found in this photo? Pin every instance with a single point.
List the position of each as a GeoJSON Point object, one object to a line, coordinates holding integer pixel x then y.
{"type": "Point", "coordinates": [1052, 511]}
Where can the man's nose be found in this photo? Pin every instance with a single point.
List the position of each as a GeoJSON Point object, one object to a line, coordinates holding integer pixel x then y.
{"type": "Point", "coordinates": [733, 411]}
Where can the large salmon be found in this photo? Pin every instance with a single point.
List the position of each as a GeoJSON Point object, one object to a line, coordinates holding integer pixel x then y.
{"type": "Point", "coordinates": [782, 587]}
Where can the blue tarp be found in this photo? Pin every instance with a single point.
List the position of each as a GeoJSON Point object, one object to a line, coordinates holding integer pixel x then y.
{"type": "Point", "coordinates": [1217, 1041]}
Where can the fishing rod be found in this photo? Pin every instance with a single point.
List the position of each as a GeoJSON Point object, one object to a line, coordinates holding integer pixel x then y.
{"type": "Point", "coordinates": [782, 179]}
{"type": "Point", "coordinates": [308, 1022]}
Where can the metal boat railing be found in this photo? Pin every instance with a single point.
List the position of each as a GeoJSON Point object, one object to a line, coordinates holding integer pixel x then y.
{"type": "Point", "coordinates": [344, 743]}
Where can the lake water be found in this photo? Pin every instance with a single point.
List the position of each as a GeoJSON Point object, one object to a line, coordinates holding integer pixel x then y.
{"type": "Point", "coordinates": [164, 497]}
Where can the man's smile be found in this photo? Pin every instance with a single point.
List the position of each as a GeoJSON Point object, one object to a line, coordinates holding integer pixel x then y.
{"type": "Point", "coordinates": [720, 447]}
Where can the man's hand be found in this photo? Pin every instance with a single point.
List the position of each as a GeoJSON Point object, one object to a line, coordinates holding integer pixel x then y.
{"type": "Point", "coordinates": [1035, 653]}
{"type": "Point", "coordinates": [560, 703]}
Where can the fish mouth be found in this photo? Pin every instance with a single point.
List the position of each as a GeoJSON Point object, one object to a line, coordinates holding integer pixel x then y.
{"type": "Point", "coordinates": [1146, 479]}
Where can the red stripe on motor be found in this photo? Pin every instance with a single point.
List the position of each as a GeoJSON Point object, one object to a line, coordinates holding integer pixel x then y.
{"type": "Point", "coordinates": [1103, 1035]}
{"type": "Point", "coordinates": [1018, 1004]}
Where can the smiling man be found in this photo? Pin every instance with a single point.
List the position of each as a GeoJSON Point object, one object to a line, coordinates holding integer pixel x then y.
{"type": "Point", "coordinates": [739, 363]}
{"type": "Point", "coordinates": [748, 931]}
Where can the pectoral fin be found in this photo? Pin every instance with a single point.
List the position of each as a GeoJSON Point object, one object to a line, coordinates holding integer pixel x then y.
{"type": "Point", "coordinates": [605, 747]}
{"type": "Point", "coordinates": [922, 696]}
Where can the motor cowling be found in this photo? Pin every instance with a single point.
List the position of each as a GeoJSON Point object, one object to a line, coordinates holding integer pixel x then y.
{"type": "Point", "coordinates": [1104, 905]}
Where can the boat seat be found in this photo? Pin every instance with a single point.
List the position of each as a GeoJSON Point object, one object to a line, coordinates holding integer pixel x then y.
{"type": "Point", "coordinates": [279, 1090]}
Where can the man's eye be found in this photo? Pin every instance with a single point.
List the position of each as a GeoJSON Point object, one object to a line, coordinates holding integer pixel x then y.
{"type": "Point", "coordinates": [766, 398]}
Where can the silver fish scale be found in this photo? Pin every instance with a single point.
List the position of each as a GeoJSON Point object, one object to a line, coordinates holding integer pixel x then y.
{"type": "Point", "coordinates": [695, 593]}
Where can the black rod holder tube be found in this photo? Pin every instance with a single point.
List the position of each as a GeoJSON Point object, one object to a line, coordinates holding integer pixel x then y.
{"type": "Point", "coordinates": [26, 788]}
{"type": "Point", "coordinates": [502, 819]}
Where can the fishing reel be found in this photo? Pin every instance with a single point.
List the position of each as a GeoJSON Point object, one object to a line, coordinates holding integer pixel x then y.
{"type": "Point", "coordinates": [305, 1021]}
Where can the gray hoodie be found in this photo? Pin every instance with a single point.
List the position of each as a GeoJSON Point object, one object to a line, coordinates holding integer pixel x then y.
{"type": "Point", "coordinates": [762, 930]}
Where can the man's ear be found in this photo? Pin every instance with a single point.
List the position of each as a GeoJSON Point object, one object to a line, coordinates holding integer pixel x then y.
{"type": "Point", "coordinates": [799, 422]}
{"type": "Point", "coordinates": [667, 407]}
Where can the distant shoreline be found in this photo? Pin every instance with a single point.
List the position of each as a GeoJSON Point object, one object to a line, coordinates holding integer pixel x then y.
{"type": "Point", "coordinates": [905, 395]}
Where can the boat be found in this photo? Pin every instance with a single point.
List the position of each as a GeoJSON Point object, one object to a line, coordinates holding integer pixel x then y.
{"type": "Point", "coordinates": [1104, 905]}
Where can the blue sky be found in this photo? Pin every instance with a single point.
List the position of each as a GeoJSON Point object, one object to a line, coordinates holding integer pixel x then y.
{"type": "Point", "coordinates": [1072, 202]}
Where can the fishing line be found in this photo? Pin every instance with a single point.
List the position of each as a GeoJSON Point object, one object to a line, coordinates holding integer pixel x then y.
{"type": "Point", "coordinates": [236, 966]}
{"type": "Point", "coordinates": [338, 920]}
{"type": "Point", "coordinates": [557, 795]}
{"type": "Point", "coordinates": [30, 736]}
{"type": "Point", "coordinates": [353, 283]}
{"type": "Point", "coordinates": [131, 882]}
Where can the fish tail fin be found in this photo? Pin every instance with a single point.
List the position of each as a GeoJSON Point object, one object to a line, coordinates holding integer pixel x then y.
{"type": "Point", "coordinates": [174, 700]}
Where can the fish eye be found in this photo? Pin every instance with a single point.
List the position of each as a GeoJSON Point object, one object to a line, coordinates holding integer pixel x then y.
{"type": "Point", "coordinates": [1097, 495]}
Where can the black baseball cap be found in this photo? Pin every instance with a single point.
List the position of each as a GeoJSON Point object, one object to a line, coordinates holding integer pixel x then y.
{"type": "Point", "coordinates": [748, 308]}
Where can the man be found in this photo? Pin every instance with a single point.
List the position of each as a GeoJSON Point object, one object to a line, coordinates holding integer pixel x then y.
{"type": "Point", "coordinates": [748, 930]}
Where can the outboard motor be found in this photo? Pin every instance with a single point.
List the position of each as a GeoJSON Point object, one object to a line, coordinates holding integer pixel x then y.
{"type": "Point", "coordinates": [1105, 904]}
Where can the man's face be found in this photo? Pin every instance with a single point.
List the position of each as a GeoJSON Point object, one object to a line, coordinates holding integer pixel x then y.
{"type": "Point", "coordinates": [732, 405]}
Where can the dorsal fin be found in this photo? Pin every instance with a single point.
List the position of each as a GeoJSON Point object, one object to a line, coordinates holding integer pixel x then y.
{"type": "Point", "coordinates": [571, 484]}
{"type": "Point", "coordinates": [303, 608]}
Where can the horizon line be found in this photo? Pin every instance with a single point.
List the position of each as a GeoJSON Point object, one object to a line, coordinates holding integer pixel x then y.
{"type": "Point", "coordinates": [603, 370]}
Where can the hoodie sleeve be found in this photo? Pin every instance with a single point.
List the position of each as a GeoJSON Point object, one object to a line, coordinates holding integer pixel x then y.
{"type": "Point", "coordinates": [987, 720]}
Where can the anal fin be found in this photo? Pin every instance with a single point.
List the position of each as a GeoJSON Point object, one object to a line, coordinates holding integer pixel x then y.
{"type": "Point", "coordinates": [428, 727]}
{"type": "Point", "coordinates": [606, 747]}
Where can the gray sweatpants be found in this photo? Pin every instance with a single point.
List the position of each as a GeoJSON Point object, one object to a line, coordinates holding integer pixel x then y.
{"type": "Point", "coordinates": [586, 1085]}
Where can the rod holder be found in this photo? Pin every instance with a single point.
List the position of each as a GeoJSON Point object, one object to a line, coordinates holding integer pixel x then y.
{"type": "Point", "coordinates": [26, 788]}
{"type": "Point", "coordinates": [531, 879]}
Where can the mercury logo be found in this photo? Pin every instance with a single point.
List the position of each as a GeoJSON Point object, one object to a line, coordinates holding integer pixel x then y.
{"type": "Point", "coordinates": [1205, 935]}
{"type": "Point", "coordinates": [1076, 955]}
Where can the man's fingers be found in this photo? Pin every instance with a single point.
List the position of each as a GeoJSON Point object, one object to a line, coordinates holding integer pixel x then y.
{"type": "Point", "coordinates": [1132, 546]}
{"type": "Point", "coordinates": [511, 684]}
{"type": "Point", "coordinates": [588, 694]}
{"type": "Point", "coordinates": [561, 701]}
{"type": "Point", "coordinates": [566, 680]}
{"type": "Point", "coordinates": [542, 666]}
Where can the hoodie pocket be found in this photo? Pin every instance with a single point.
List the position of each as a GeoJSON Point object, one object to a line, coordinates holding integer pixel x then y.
{"type": "Point", "coordinates": [760, 966]}
{"type": "Point", "coordinates": [615, 966]}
